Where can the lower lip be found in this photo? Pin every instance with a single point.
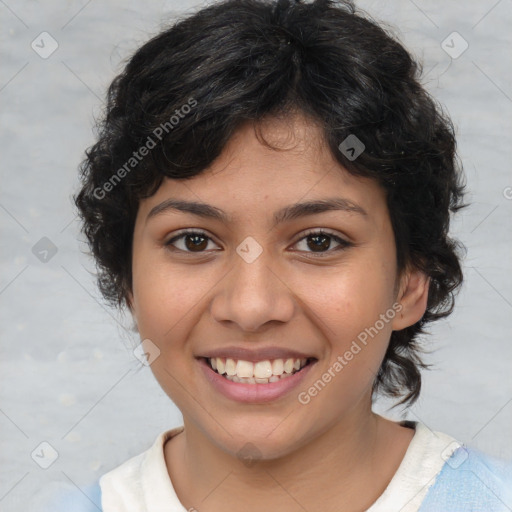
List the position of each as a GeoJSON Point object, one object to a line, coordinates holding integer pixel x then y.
{"type": "Point", "coordinates": [254, 393]}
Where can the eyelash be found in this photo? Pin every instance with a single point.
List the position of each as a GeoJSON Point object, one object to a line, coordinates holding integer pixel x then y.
{"type": "Point", "coordinates": [344, 244]}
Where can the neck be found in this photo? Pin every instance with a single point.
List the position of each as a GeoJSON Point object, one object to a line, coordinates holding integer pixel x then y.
{"type": "Point", "coordinates": [345, 462]}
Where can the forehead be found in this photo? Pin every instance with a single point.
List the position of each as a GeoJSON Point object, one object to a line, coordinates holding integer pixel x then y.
{"type": "Point", "coordinates": [250, 178]}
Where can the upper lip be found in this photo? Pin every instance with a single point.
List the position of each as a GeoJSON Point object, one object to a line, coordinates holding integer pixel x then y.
{"type": "Point", "coordinates": [254, 355]}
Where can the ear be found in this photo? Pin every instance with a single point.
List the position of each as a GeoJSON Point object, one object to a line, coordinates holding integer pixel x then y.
{"type": "Point", "coordinates": [413, 296]}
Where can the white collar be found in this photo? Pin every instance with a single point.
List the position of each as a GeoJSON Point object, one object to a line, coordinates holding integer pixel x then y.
{"type": "Point", "coordinates": [142, 483]}
{"type": "Point", "coordinates": [422, 462]}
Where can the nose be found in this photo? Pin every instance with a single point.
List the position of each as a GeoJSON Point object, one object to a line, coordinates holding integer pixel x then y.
{"type": "Point", "coordinates": [253, 295]}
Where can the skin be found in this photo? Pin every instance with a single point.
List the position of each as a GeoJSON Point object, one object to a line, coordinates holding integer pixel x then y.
{"type": "Point", "coordinates": [333, 451]}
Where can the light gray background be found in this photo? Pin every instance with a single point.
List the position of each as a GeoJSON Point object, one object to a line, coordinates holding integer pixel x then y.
{"type": "Point", "coordinates": [67, 371]}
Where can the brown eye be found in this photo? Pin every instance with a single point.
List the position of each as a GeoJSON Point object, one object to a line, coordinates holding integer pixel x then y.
{"type": "Point", "coordinates": [319, 242]}
{"type": "Point", "coordinates": [193, 241]}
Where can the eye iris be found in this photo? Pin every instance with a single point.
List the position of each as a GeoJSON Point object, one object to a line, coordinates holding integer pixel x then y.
{"type": "Point", "coordinates": [195, 244]}
{"type": "Point", "coordinates": [322, 245]}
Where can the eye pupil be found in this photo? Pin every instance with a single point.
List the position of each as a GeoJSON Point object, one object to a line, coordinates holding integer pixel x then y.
{"type": "Point", "coordinates": [321, 245]}
{"type": "Point", "coordinates": [195, 244]}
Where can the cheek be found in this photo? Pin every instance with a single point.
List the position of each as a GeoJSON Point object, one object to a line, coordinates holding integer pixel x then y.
{"type": "Point", "coordinates": [163, 296]}
{"type": "Point", "coordinates": [350, 304]}
{"type": "Point", "coordinates": [354, 297]}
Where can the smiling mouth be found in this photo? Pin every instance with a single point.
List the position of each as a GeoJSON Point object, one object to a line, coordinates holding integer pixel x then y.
{"type": "Point", "coordinates": [260, 372]}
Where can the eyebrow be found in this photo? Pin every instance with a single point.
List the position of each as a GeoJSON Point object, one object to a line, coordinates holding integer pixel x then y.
{"type": "Point", "coordinates": [288, 213]}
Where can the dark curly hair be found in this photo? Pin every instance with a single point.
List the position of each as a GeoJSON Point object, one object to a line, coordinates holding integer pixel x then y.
{"type": "Point", "coordinates": [184, 93]}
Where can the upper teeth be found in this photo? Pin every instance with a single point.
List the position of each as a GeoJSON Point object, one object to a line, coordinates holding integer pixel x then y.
{"type": "Point", "coordinates": [259, 370]}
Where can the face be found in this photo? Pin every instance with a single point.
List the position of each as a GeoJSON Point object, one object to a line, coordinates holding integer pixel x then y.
{"type": "Point", "coordinates": [258, 286]}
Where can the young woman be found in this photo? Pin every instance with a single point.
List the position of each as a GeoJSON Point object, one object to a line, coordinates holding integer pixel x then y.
{"type": "Point", "coordinates": [270, 196]}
